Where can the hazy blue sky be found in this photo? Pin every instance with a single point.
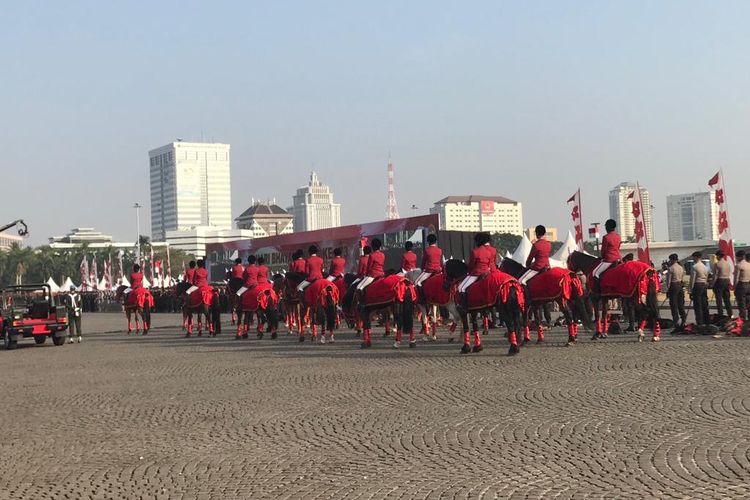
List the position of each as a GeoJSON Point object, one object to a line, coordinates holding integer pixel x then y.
{"type": "Point", "coordinates": [523, 99]}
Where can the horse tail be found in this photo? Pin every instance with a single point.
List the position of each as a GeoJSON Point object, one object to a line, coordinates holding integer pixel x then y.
{"type": "Point", "coordinates": [407, 311]}
{"type": "Point", "coordinates": [330, 311]}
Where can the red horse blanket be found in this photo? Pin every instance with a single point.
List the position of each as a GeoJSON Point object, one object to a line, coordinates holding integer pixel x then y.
{"type": "Point", "coordinates": [434, 291]}
{"type": "Point", "coordinates": [318, 290]}
{"type": "Point", "coordinates": [484, 293]}
{"type": "Point", "coordinates": [259, 297]}
{"type": "Point", "coordinates": [389, 289]}
{"type": "Point", "coordinates": [202, 296]}
{"type": "Point", "coordinates": [553, 284]}
{"type": "Point", "coordinates": [138, 297]}
{"type": "Point", "coordinates": [625, 279]}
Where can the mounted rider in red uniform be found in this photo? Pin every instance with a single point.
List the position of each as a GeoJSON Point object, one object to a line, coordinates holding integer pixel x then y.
{"type": "Point", "coordinates": [238, 270]}
{"type": "Point", "coordinates": [200, 277]}
{"type": "Point", "coordinates": [250, 277]}
{"type": "Point", "coordinates": [375, 267]}
{"type": "Point", "coordinates": [432, 260]}
{"type": "Point", "coordinates": [136, 277]}
{"type": "Point", "coordinates": [189, 272]}
{"type": "Point", "coordinates": [482, 262]}
{"type": "Point", "coordinates": [408, 259]}
{"type": "Point", "coordinates": [610, 249]}
{"type": "Point", "coordinates": [262, 270]}
{"type": "Point", "coordinates": [313, 268]}
{"type": "Point", "coordinates": [338, 266]}
{"type": "Point", "coordinates": [538, 259]}
{"type": "Point", "coordinates": [297, 265]}
{"type": "Point", "coordinates": [364, 261]}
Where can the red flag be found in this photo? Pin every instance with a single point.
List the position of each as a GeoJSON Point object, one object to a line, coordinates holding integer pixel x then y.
{"type": "Point", "coordinates": [726, 244]}
{"type": "Point", "coordinates": [169, 269]}
{"type": "Point", "coordinates": [575, 214]}
{"type": "Point", "coordinates": [84, 271]}
{"type": "Point", "coordinates": [641, 238]}
{"type": "Point", "coordinates": [94, 274]}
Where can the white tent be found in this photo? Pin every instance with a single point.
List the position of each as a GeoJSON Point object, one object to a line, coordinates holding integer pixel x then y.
{"type": "Point", "coordinates": [124, 281]}
{"type": "Point", "coordinates": [557, 263]}
{"type": "Point", "coordinates": [146, 284]}
{"type": "Point", "coordinates": [102, 284]}
{"type": "Point", "coordinates": [53, 286]}
{"type": "Point", "coordinates": [67, 284]}
{"type": "Point", "coordinates": [523, 251]}
{"type": "Point", "coordinates": [569, 246]}
{"type": "Point", "coordinates": [507, 255]}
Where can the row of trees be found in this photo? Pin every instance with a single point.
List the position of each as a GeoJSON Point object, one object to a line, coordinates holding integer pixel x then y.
{"type": "Point", "coordinates": [36, 265]}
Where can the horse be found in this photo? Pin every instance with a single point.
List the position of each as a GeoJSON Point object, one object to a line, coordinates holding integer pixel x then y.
{"type": "Point", "coordinates": [199, 303]}
{"type": "Point", "coordinates": [139, 302]}
{"type": "Point", "coordinates": [495, 291]}
{"type": "Point", "coordinates": [555, 285]}
{"type": "Point", "coordinates": [234, 284]}
{"type": "Point", "coordinates": [391, 295]}
{"type": "Point", "coordinates": [292, 302]}
{"type": "Point", "coordinates": [632, 281]}
{"type": "Point", "coordinates": [263, 300]}
{"type": "Point", "coordinates": [434, 295]}
{"type": "Point", "coordinates": [321, 300]}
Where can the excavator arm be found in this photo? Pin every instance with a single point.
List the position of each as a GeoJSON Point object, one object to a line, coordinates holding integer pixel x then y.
{"type": "Point", "coordinates": [23, 230]}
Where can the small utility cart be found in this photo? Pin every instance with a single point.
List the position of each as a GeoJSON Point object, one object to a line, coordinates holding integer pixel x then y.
{"type": "Point", "coordinates": [32, 311]}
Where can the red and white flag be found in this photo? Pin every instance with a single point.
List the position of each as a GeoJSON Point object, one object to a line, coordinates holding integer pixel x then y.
{"type": "Point", "coordinates": [157, 273]}
{"type": "Point", "coordinates": [575, 213]}
{"type": "Point", "coordinates": [726, 244]}
{"type": "Point", "coordinates": [94, 278]}
{"type": "Point", "coordinates": [107, 275]}
{"type": "Point", "coordinates": [120, 270]}
{"type": "Point", "coordinates": [169, 269]}
{"type": "Point", "coordinates": [641, 238]}
{"type": "Point", "coordinates": [84, 271]}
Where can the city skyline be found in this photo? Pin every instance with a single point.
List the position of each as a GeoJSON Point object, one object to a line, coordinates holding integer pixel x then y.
{"type": "Point", "coordinates": [510, 98]}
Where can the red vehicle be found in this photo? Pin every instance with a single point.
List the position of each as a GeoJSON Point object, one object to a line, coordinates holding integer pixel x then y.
{"type": "Point", "coordinates": [32, 311]}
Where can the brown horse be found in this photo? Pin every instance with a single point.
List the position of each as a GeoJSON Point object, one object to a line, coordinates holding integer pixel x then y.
{"type": "Point", "coordinates": [496, 291]}
{"type": "Point", "coordinates": [390, 295]}
{"type": "Point", "coordinates": [199, 303]}
{"type": "Point", "coordinates": [321, 300]}
{"type": "Point", "coordinates": [291, 301]}
{"type": "Point", "coordinates": [435, 294]}
{"type": "Point", "coordinates": [557, 285]}
{"type": "Point", "coordinates": [263, 301]}
{"type": "Point", "coordinates": [633, 281]}
{"type": "Point", "coordinates": [138, 302]}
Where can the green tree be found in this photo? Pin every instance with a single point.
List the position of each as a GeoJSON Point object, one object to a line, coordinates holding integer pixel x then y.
{"type": "Point", "coordinates": [505, 242]}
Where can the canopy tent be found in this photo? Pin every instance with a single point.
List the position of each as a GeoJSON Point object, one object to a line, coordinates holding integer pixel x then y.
{"type": "Point", "coordinates": [103, 284]}
{"type": "Point", "coordinates": [124, 281]}
{"type": "Point", "coordinates": [569, 246]}
{"type": "Point", "coordinates": [53, 286]}
{"type": "Point", "coordinates": [507, 255]}
{"type": "Point", "coordinates": [146, 283]}
{"type": "Point", "coordinates": [67, 284]}
{"type": "Point", "coordinates": [523, 251]}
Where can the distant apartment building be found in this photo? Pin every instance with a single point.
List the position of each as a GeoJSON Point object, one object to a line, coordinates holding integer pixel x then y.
{"type": "Point", "coordinates": [493, 214]}
{"type": "Point", "coordinates": [266, 219]}
{"type": "Point", "coordinates": [621, 210]}
{"type": "Point", "coordinates": [190, 187]}
{"type": "Point", "coordinates": [692, 216]}
{"type": "Point", "coordinates": [551, 234]}
{"type": "Point", "coordinates": [8, 239]}
{"type": "Point", "coordinates": [313, 207]}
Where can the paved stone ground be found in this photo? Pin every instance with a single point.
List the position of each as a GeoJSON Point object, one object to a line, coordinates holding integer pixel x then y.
{"type": "Point", "coordinates": [162, 416]}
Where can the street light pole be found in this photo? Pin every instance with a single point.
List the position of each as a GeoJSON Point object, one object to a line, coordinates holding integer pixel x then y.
{"type": "Point", "coordinates": [137, 207]}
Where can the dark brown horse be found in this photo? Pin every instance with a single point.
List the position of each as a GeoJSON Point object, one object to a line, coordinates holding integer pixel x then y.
{"type": "Point", "coordinates": [199, 303]}
{"type": "Point", "coordinates": [555, 285]}
{"type": "Point", "coordinates": [632, 281]}
{"type": "Point", "coordinates": [139, 303]}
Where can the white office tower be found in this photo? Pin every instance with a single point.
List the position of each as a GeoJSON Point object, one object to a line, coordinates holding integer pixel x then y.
{"type": "Point", "coordinates": [621, 210]}
{"type": "Point", "coordinates": [313, 207]}
{"type": "Point", "coordinates": [190, 187]}
{"type": "Point", "coordinates": [693, 216]}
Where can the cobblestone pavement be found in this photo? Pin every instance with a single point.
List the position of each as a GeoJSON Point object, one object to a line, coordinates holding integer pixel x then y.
{"type": "Point", "coordinates": [163, 416]}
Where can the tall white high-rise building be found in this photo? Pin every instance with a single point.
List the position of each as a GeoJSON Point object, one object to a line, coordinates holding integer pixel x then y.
{"type": "Point", "coordinates": [621, 210]}
{"type": "Point", "coordinates": [693, 216]}
{"type": "Point", "coordinates": [190, 187]}
{"type": "Point", "coordinates": [313, 207]}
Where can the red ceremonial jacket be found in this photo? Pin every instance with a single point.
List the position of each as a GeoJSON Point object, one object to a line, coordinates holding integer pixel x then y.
{"type": "Point", "coordinates": [376, 264]}
{"type": "Point", "coordinates": [238, 270]}
{"type": "Point", "coordinates": [338, 266]}
{"type": "Point", "coordinates": [408, 261]}
{"type": "Point", "coordinates": [482, 260]}
{"type": "Point", "coordinates": [611, 247]}
{"type": "Point", "coordinates": [262, 274]}
{"type": "Point", "coordinates": [250, 276]}
{"type": "Point", "coordinates": [297, 265]}
{"type": "Point", "coordinates": [432, 260]}
{"type": "Point", "coordinates": [189, 273]}
{"type": "Point", "coordinates": [539, 256]}
{"type": "Point", "coordinates": [364, 261]}
{"type": "Point", "coordinates": [200, 278]}
{"type": "Point", "coordinates": [136, 280]}
{"type": "Point", "coordinates": [314, 268]}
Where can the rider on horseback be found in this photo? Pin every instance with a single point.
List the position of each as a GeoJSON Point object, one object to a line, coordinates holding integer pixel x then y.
{"type": "Point", "coordinates": [408, 259]}
{"type": "Point", "coordinates": [200, 277]}
{"type": "Point", "coordinates": [538, 259]}
{"type": "Point", "coordinates": [313, 268]}
{"type": "Point", "coordinates": [364, 261]}
{"type": "Point", "coordinates": [238, 269]}
{"type": "Point", "coordinates": [262, 271]}
{"type": "Point", "coordinates": [136, 280]}
{"type": "Point", "coordinates": [610, 249]}
{"type": "Point", "coordinates": [297, 265]}
{"type": "Point", "coordinates": [481, 263]}
{"type": "Point", "coordinates": [250, 276]}
{"type": "Point", "coordinates": [432, 260]}
{"type": "Point", "coordinates": [190, 272]}
{"type": "Point", "coordinates": [338, 266]}
{"type": "Point", "coordinates": [375, 268]}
